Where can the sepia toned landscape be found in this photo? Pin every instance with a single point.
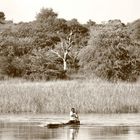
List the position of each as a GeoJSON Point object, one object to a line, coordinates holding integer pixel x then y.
{"type": "Point", "coordinates": [52, 66]}
{"type": "Point", "coordinates": [94, 67]}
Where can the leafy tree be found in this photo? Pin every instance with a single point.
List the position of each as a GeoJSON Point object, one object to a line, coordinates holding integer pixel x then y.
{"type": "Point", "coordinates": [24, 29]}
{"type": "Point", "coordinates": [80, 33]}
{"type": "Point", "coordinates": [108, 54]}
{"type": "Point", "coordinates": [90, 23]}
{"type": "Point", "coordinates": [2, 17]}
{"type": "Point", "coordinates": [46, 27]}
{"type": "Point", "coordinates": [134, 30]}
{"type": "Point", "coordinates": [30, 43]}
{"type": "Point", "coordinates": [46, 15]}
{"type": "Point", "coordinates": [53, 33]}
{"type": "Point", "coordinates": [12, 52]}
{"type": "Point", "coordinates": [43, 65]}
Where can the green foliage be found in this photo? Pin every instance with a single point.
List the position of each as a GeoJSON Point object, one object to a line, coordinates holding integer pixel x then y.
{"type": "Point", "coordinates": [90, 23]}
{"type": "Point", "coordinates": [24, 30]}
{"type": "Point", "coordinates": [2, 17]}
{"type": "Point", "coordinates": [52, 30]}
{"type": "Point", "coordinates": [80, 33]}
{"type": "Point", "coordinates": [47, 27]}
{"type": "Point", "coordinates": [134, 30]}
{"type": "Point", "coordinates": [42, 65]}
{"type": "Point", "coordinates": [111, 51]}
{"type": "Point", "coordinates": [45, 15]}
{"type": "Point", "coordinates": [109, 54]}
{"type": "Point", "coordinates": [44, 37]}
{"type": "Point", "coordinates": [48, 32]}
{"type": "Point", "coordinates": [12, 51]}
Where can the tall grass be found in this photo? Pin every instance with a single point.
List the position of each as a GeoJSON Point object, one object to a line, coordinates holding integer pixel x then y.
{"type": "Point", "coordinates": [86, 96]}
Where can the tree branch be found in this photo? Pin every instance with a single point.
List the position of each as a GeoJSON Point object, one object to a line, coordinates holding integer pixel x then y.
{"type": "Point", "coordinates": [57, 54]}
{"type": "Point", "coordinates": [70, 41]}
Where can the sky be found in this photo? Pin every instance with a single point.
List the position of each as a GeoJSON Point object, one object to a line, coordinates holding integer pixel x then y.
{"type": "Point", "coordinates": [83, 10]}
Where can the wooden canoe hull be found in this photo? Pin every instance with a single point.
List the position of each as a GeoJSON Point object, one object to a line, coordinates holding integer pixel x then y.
{"type": "Point", "coordinates": [56, 125]}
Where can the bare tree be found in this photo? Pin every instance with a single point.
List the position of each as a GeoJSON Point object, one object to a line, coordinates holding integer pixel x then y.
{"type": "Point", "coordinates": [64, 48]}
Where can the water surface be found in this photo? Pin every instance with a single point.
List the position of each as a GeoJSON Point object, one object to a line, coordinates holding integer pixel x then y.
{"type": "Point", "coordinates": [93, 127]}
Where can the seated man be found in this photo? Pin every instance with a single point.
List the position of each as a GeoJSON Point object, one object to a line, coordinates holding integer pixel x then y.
{"type": "Point", "coordinates": [74, 119]}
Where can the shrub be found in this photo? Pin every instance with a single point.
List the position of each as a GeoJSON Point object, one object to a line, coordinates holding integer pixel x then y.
{"type": "Point", "coordinates": [110, 54]}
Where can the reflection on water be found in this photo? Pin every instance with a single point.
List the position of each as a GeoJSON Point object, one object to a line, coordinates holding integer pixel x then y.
{"type": "Point", "coordinates": [33, 131]}
{"type": "Point", "coordinates": [24, 131]}
{"type": "Point", "coordinates": [73, 132]}
{"type": "Point", "coordinates": [30, 131]}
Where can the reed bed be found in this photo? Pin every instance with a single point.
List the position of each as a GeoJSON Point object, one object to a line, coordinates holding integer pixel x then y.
{"type": "Point", "coordinates": [87, 96]}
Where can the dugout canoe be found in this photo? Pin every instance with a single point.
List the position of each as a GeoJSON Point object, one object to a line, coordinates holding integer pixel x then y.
{"type": "Point", "coordinates": [59, 124]}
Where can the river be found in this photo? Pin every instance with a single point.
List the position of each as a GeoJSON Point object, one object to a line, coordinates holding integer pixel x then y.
{"type": "Point", "coordinates": [93, 127]}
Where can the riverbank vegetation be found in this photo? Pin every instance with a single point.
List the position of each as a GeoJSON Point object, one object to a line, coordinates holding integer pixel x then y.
{"type": "Point", "coordinates": [87, 96]}
{"type": "Point", "coordinates": [51, 48]}
{"type": "Point", "coordinates": [64, 54]}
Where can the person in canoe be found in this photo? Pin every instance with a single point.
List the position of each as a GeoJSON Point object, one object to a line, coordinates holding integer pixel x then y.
{"type": "Point", "coordinates": [74, 118]}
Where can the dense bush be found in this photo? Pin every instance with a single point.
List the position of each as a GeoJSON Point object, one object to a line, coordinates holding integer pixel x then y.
{"type": "Point", "coordinates": [134, 30]}
{"type": "Point", "coordinates": [51, 48]}
{"type": "Point", "coordinates": [2, 17]}
{"type": "Point", "coordinates": [110, 54]}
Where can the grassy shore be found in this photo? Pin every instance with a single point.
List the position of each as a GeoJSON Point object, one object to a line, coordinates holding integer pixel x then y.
{"type": "Point", "coordinates": [88, 96]}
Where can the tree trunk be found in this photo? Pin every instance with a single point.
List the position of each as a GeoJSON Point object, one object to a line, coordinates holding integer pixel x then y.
{"type": "Point", "coordinates": [64, 65]}
{"type": "Point", "coordinates": [64, 61]}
